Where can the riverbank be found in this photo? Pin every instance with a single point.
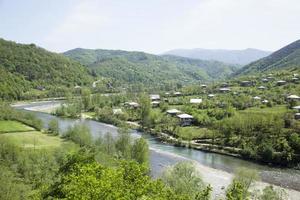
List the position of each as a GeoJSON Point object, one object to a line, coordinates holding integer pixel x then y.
{"type": "Point", "coordinates": [220, 180]}
{"type": "Point", "coordinates": [214, 173]}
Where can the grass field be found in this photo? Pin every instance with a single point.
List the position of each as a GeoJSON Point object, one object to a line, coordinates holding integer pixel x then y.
{"type": "Point", "coordinates": [193, 132]}
{"type": "Point", "coordinates": [13, 126]}
{"type": "Point", "coordinates": [35, 139]}
{"type": "Point", "coordinates": [279, 110]}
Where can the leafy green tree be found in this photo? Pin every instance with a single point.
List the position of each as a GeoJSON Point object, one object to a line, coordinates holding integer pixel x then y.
{"type": "Point", "coordinates": [140, 151]}
{"type": "Point", "coordinates": [239, 188]}
{"type": "Point", "coordinates": [184, 179]}
{"type": "Point", "coordinates": [80, 134]}
{"type": "Point", "coordinates": [145, 110]}
{"type": "Point", "coordinates": [124, 143]}
{"type": "Point", "coordinates": [126, 181]}
{"type": "Point", "coordinates": [270, 193]}
{"type": "Point", "coordinates": [53, 127]}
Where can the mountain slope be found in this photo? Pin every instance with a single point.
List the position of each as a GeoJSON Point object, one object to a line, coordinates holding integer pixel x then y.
{"type": "Point", "coordinates": [241, 57]}
{"type": "Point", "coordinates": [285, 58]}
{"type": "Point", "coordinates": [148, 69]}
{"type": "Point", "coordinates": [32, 67]}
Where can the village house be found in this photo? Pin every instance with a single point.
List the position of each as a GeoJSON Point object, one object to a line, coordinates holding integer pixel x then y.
{"type": "Point", "coordinates": [117, 111]}
{"type": "Point", "coordinates": [294, 80]}
{"type": "Point", "coordinates": [173, 112]}
{"type": "Point", "coordinates": [195, 101]}
{"type": "Point", "coordinates": [297, 108]}
{"type": "Point", "coordinates": [203, 86]}
{"type": "Point", "coordinates": [265, 101]}
{"type": "Point", "coordinates": [293, 98]}
{"type": "Point", "coordinates": [211, 96]}
{"type": "Point", "coordinates": [224, 90]}
{"type": "Point", "coordinates": [261, 87]}
{"type": "Point", "coordinates": [246, 83]}
{"type": "Point", "coordinates": [185, 119]}
{"type": "Point", "coordinates": [177, 93]}
{"type": "Point", "coordinates": [132, 105]}
{"type": "Point", "coordinates": [281, 82]}
{"type": "Point", "coordinates": [265, 80]}
{"type": "Point", "coordinates": [297, 116]}
{"type": "Point", "coordinates": [155, 103]}
{"type": "Point", "coordinates": [154, 97]}
{"type": "Point", "coordinates": [256, 98]}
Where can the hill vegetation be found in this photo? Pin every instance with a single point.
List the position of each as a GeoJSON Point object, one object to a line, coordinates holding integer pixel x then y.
{"type": "Point", "coordinates": [147, 69]}
{"type": "Point", "coordinates": [286, 58]}
{"type": "Point", "coordinates": [27, 67]}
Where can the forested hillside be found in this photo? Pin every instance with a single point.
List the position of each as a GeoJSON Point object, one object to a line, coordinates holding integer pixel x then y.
{"type": "Point", "coordinates": [26, 67]}
{"type": "Point", "coordinates": [286, 58]}
{"type": "Point", "coordinates": [148, 69]}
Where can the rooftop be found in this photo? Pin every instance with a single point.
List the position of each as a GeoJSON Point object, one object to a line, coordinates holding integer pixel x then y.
{"type": "Point", "coordinates": [195, 100]}
{"type": "Point", "coordinates": [173, 111]}
{"type": "Point", "coordinates": [185, 116]}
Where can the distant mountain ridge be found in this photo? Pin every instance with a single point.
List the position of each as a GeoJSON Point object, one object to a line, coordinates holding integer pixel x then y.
{"type": "Point", "coordinates": [241, 57]}
{"type": "Point", "coordinates": [286, 58]}
{"type": "Point", "coordinates": [138, 67]}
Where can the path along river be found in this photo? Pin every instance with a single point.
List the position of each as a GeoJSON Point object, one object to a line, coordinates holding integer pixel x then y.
{"type": "Point", "coordinates": [216, 169]}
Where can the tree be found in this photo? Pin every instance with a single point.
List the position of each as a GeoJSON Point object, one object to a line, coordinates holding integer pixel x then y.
{"type": "Point", "coordinates": [80, 134]}
{"type": "Point", "coordinates": [184, 179]}
{"type": "Point", "coordinates": [145, 110]}
{"type": "Point", "coordinates": [53, 127]}
{"type": "Point", "coordinates": [128, 180]}
{"type": "Point", "coordinates": [109, 144]}
{"type": "Point", "coordinates": [86, 99]}
{"type": "Point", "coordinates": [239, 188]}
{"type": "Point", "coordinates": [123, 143]}
{"type": "Point", "coordinates": [140, 151]}
{"type": "Point", "coordinates": [270, 193]}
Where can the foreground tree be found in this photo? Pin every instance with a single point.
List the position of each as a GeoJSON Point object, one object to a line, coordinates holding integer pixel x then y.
{"type": "Point", "coordinates": [184, 179]}
{"type": "Point", "coordinates": [53, 127]}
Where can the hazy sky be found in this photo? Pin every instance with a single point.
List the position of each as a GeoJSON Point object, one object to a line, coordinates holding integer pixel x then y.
{"type": "Point", "coordinates": [153, 26]}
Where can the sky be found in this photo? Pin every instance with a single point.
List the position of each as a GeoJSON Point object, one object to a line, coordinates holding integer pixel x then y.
{"type": "Point", "coordinates": [153, 26]}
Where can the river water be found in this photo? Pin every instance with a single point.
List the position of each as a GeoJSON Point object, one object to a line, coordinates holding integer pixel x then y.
{"type": "Point", "coordinates": [163, 155]}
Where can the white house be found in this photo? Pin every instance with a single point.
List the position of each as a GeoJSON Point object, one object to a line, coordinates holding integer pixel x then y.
{"type": "Point", "coordinates": [297, 116]}
{"type": "Point", "coordinates": [195, 101]}
{"type": "Point", "coordinates": [117, 111]}
{"type": "Point", "coordinates": [185, 119]}
{"type": "Point", "coordinates": [297, 108]}
{"type": "Point", "coordinates": [281, 82]}
{"type": "Point", "coordinates": [155, 103]}
{"type": "Point", "coordinates": [293, 97]}
{"type": "Point", "coordinates": [211, 96]}
{"type": "Point", "coordinates": [132, 104]}
{"type": "Point", "coordinates": [154, 97]}
{"type": "Point", "coordinates": [256, 98]}
{"type": "Point", "coordinates": [224, 90]}
{"type": "Point", "coordinates": [177, 93]}
{"type": "Point", "coordinates": [261, 87]}
{"type": "Point", "coordinates": [173, 112]}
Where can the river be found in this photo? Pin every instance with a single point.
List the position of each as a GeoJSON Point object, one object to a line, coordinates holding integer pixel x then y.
{"type": "Point", "coordinates": [216, 169]}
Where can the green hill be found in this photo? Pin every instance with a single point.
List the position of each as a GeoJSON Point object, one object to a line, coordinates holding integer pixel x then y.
{"type": "Point", "coordinates": [147, 69]}
{"type": "Point", "coordinates": [286, 58]}
{"type": "Point", "coordinates": [26, 67]}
